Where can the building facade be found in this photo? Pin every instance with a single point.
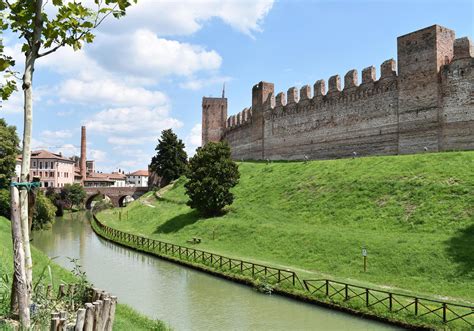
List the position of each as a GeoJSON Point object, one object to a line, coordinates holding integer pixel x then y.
{"type": "Point", "coordinates": [138, 178]}
{"type": "Point", "coordinates": [425, 103]}
{"type": "Point", "coordinates": [53, 169]}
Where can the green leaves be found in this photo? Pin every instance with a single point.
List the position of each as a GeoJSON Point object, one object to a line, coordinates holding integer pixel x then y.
{"type": "Point", "coordinates": [170, 160]}
{"type": "Point", "coordinates": [71, 25]}
{"type": "Point", "coordinates": [211, 175]}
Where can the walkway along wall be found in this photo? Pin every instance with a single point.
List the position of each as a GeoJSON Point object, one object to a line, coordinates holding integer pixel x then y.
{"type": "Point", "coordinates": [427, 106]}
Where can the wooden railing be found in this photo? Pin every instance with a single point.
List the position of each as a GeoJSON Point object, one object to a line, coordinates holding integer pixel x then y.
{"type": "Point", "coordinates": [222, 263]}
{"type": "Point", "coordinates": [393, 302]}
{"type": "Point", "coordinates": [334, 291]}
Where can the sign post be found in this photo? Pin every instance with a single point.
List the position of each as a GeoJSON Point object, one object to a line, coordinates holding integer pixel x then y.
{"type": "Point", "coordinates": [364, 254]}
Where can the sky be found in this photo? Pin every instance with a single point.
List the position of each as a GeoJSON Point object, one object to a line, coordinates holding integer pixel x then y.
{"type": "Point", "coordinates": [148, 71]}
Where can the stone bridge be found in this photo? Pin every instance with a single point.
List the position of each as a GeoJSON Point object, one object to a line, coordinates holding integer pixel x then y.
{"type": "Point", "coordinates": [116, 194]}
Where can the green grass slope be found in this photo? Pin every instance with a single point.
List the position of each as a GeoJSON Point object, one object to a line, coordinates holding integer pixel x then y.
{"type": "Point", "coordinates": [125, 318]}
{"type": "Point", "coordinates": [413, 213]}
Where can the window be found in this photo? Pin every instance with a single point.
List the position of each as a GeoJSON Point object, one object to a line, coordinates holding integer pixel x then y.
{"type": "Point", "coordinates": [34, 163]}
{"type": "Point", "coordinates": [41, 174]}
{"type": "Point", "coordinates": [51, 174]}
{"type": "Point", "coordinates": [52, 165]}
{"type": "Point", "coordinates": [45, 184]}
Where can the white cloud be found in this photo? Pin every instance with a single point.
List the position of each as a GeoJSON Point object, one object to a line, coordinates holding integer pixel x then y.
{"type": "Point", "coordinates": [96, 155]}
{"type": "Point", "coordinates": [185, 17]}
{"type": "Point", "coordinates": [197, 84]}
{"type": "Point", "coordinates": [116, 140]}
{"type": "Point", "coordinates": [109, 92]}
{"type": "Point", "coordinates": [142, 53]}
{"type": "Point", "coordinates": [193, 139]}
{"type": "Point", "coordinates": [55, 135]}
{"type": "Point", "coordinates": [132, 120]}
{"type": "Point", "coordinates": [13, 105]}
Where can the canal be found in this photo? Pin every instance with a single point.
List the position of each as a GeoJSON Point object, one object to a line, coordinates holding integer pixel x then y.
{"type": "Point", "coordinates": [183, 298]}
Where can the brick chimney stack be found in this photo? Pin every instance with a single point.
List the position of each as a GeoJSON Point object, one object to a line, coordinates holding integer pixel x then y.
{"type": "Point", "coordinates": [83, 153]}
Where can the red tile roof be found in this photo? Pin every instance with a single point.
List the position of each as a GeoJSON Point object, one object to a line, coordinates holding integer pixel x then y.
{"type": "Point", "coordinates": [139, 173]}
{"type": "Point", "coordinates": [44, 154]}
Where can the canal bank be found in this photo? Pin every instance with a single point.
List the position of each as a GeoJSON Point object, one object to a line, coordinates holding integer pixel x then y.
{"type": "Point", "coordinates": [126, 318]}
{"type": "Point", "coordinates": [183, 298]}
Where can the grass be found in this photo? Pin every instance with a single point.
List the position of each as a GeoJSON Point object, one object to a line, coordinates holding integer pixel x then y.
{"type": "Point", "coordinates": [125, 319]}
{"type": "Point", "coordinates": [413, 213]}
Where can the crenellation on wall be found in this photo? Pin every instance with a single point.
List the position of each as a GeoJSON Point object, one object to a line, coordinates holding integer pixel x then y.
{"type": "Point", "coordinates": [351, 79]}
{"type": "Point", "coordinates": [292, 94]}
{"type": "Point", "coordinates": [388, 69]}
{"type": "Point", "coordinates": [305, 93]}
{"type": "Point", "coordinates": [319, 88]}
{"type": "Point", "coordinates": [368, 75]}
{"type": "Point", "coordinates": [463, 48]}
{"type": "Point", "coordinates": [422, 102]}
{"type": "Point", "coordinates": [280, 100]}
{"type": "Point", "coordinates": [334, 84]}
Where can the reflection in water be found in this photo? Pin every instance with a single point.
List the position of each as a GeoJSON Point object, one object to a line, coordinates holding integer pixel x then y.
{"type": "Point", "coordinates": [184, 298]}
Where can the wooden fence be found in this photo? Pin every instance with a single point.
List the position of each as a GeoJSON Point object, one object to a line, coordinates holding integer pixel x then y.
{"type": "Point", "coordinates": [392, 302]}
{"type": "Point", "coordinates": [223, 263]}
{"type": "Point", "coordinates": [96, 315]}
{"type": "Point", "coordinates": [440, 311]}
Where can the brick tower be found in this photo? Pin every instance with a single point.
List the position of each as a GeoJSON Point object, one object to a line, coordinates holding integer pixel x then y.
{"type": "Point", "coordinates": [214, 117]}
{"type": "Point", "coordinates": [83, 154]}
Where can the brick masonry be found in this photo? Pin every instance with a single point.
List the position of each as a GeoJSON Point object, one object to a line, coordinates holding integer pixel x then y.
{"type": "Point", "coordinates": [424, 103]}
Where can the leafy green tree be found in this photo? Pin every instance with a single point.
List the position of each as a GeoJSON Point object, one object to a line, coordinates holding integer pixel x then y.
{"type": "Point", "coordinates": [73, 195]}
{"type": "Point", "coordinates": [55, 198]}
{"type": "Point", "coordinates": [8, 153]}
{"type": "Point", "coordinates": [170, 160]}
{"type": "Point", "coordinates": [9, 142]}
{"type": "Point", "coordinates": [67, 23]}
{"type": "Point", "coordinates": [44, 213]}
{"type": "Point", "coordinates": [211, 174]}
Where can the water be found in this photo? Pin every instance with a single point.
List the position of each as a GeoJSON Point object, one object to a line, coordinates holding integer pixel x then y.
{"type": "Point", "coordinates": [183, 298]}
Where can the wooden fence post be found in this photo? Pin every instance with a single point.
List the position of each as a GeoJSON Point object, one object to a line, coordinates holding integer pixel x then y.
{"type": "Point", "coordinates": [444, 312]}
{"type": "Point", "coordinates": [366, 297]}
{"type": "Point", "coordinates": [81, 316]}
{"type": "Point", "coordinates": [89, 319]}
{"type": "Point", "coordinates": [327, 287]}
{"type": "Point", "coordinates": [390, 301]}
{"type": "Point", "coordinates": [416, 306]}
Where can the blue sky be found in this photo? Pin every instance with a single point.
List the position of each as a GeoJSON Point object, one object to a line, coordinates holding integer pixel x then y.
{"type": "Point", "coordinates": [148, 71]}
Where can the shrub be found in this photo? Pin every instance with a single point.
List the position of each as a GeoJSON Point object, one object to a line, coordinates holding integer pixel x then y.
{"type": "Point", "coordinates": [102, 205]}
{"type": "Point", "coordinates": [44, 212]}
{"type": "Point", "coordinates": [212, 174]}
{"type": "Point", "coordinates": [73, 195]}
{"type": "Point", "coordinates": [5, 203]}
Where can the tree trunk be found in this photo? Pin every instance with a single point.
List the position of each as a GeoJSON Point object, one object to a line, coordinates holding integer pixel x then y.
{"type": "Point", "coordinates": [19, 268]}
{"type": "Point", "coordinates": [25, 164]}
{"type": "Point", "coordinates": [31, 56]}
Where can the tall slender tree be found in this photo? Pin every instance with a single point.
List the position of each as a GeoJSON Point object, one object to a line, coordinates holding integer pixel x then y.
{"type": "Point", "coordinates": [170, 160]}
{"type": "Point", "coordinates": [71, 24]}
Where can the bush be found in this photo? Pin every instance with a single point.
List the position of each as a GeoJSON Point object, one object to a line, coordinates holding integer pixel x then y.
{"type": "Point", "coordinates": [5, 203]}
{"type": "Point", "coordinates": [102, 205]}
{"type": "Point", "coordinates": [55, 198]}
{"type": "Point", "coordinates": [44, 212]}
{"type": "Point", "coordinates": [73, 195]}
{"type": "Point", "coordinates": [212, 174]}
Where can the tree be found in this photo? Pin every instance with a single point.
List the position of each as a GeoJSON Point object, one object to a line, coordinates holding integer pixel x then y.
{"type": "Point", "coordinates": [71, 24]}
{"type": "Point", "coordinates": [9, 142]}
{"type": "Point", "coordinates": [73, 195]}
{"type": "Point", "coordinates": [44, 212]}
{"type": "Point", "coordinates": [211, 174]}
{"type": "Point", "coordinates": [170, 160]}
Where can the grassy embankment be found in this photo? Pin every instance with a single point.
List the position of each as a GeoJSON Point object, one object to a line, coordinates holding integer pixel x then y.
{"type": "Point", "coordinates": [414, 214]}
{"type": "Point", "coordinates": [125, 319]}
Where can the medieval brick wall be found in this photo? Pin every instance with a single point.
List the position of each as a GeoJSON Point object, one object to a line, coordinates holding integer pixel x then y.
{"type": "Point", "coordinates": [428, 105]}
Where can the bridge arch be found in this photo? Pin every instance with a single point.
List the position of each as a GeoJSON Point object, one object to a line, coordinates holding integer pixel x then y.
{"type": "Point", "coordinates": [124, 200]}
{"type": "Point", "coordinates": [93, 197]}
